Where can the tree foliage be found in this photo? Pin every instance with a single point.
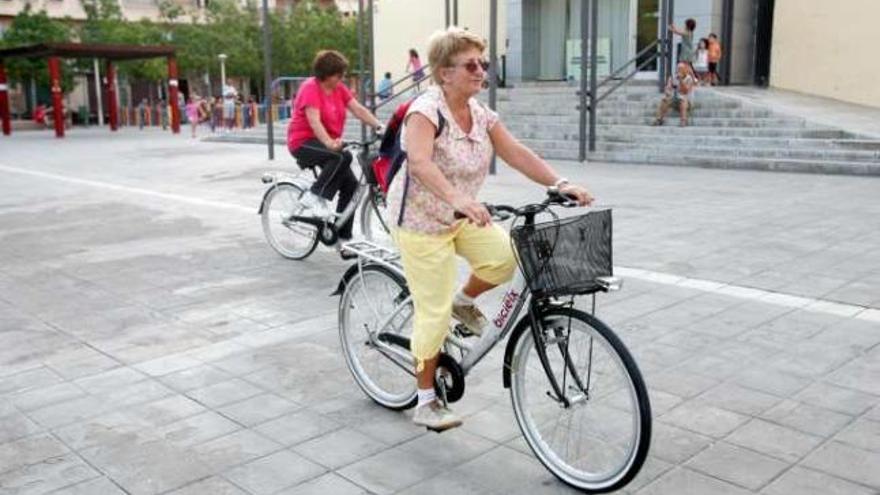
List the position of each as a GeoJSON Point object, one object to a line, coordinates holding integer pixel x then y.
{"type": "Point", "coordinates": [225, 26]}
{"type": "Point", "coordinates": [29, 28]}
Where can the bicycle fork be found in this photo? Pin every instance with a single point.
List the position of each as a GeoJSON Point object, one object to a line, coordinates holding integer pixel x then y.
{"type": "Point", "coordinates": [542, 342]}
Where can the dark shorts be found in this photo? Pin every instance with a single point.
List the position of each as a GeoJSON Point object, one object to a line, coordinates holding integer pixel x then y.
{"type": "Point", "coordinates": [713, 67]}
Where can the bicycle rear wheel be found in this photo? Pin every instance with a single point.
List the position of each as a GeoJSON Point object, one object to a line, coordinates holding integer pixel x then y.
{"type": "Point", "coordinates": [374, 221]}
{"type": "Point", "coordinates": [293, 240]}
{"type": "Point", "coordinates": [369, 298]}
{"type": "Point", "coordinates": [600, 442]}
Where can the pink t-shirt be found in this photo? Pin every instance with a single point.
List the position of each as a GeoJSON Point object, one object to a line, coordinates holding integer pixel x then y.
{"type": "Point", "coordinates": [332, 107]}
{"type": "Point", "coordinates": [192, 111]}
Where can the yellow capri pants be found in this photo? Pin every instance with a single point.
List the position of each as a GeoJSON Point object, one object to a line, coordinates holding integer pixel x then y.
{"type": "Point", "coordinates": [431, 271]}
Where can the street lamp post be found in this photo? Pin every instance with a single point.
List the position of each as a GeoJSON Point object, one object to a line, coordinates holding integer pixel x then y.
{"type": "Point", "coordinates": [222, 58]}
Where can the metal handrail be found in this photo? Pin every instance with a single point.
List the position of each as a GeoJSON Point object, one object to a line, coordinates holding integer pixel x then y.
{"type": "Point", "coordinates": [394, 95]}
{"type": "Point", "coordinates": [620, 69]}
{"type": "Point", "coordinates": [626, 79]}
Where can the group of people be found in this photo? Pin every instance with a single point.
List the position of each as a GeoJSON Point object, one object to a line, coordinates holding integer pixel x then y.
{"type": "Point", "coordinates": [696, 66]}
{"type": "Point", "coordinates": [449, 138]}
{"type": "Point", "coordinates": [221, 113]}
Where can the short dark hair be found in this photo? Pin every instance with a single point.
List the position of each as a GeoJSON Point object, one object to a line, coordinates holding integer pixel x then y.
{"type": "Point", "coordinates": [713, 35]}
{"type": "Point", "coordinates": [690, 24]}
{"type": "Point", "coordinates": [329, 63]}
{"type": "Point", "coordinates": [388, 75]}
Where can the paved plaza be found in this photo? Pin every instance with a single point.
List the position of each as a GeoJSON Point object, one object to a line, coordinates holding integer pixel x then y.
{"type": "Point", "coordinates": [152, 342]}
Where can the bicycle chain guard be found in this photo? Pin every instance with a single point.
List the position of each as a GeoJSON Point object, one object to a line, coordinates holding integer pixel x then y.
{"type": "Point", "coordinates": [448, 369]}
{"type": "Point", "coordinates": [452, 375]}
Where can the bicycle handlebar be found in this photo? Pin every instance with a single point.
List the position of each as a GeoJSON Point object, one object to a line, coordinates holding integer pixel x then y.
{"type": "Point", "coordinates": [503, 212]}
{"type": "Point", "coordinates": [361, 144]}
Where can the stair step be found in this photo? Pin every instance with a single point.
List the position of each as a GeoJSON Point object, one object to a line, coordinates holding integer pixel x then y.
{"type": "Point", "coordinates": [676, 150]}
{"type": "Point", "coordinates": [769, 164]}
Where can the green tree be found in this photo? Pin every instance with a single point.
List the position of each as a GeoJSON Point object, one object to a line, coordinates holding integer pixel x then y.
{"type": "Point", "coordinates": [28, 28]}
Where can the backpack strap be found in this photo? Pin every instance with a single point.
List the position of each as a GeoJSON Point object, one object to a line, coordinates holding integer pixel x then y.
{"type": "Point", "coordinates": [441, 124]}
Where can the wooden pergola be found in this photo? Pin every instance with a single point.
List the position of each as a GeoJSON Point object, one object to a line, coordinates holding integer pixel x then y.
{"type": "Point", "coordinates": [54, 52]}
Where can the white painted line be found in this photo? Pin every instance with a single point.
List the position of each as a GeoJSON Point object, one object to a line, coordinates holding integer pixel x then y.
{"type": "Point", "coordinates": [710, 286]}
{"type": "Point", "coordinates": [128, 189]}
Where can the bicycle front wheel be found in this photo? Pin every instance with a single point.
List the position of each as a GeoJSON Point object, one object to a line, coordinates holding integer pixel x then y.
{"type": "Point", "coordinates": [370, 296]}
{"type": "Point", "coordinates": [600, 441]}
{"type": "Point", "coordinates": [293, 240]}
{"type": "Point", "coordinates": [374, 219]}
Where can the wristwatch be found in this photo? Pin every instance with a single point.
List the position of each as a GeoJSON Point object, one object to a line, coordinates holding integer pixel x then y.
{"type": "Point", "coordinates": [560, 182]}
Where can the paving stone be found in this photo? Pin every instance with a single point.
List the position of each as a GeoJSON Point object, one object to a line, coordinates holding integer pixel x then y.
{"type": "Point", "coordinates": [105, 429]}
{"type": "Point", "coordinates": [196, 377]}
{"type": "Point", "coordinates": [863, 433]}
{"type": "Point", "coordinates": [836, 398]}
{"type": "Point", "coordinates": [197, 429]}
{"type": "Point", "coordinates": [29, 450]}
{"type": "Point", "coordinates": [682, 481]}
{"type": "Point", "coordinates": [234, 449]}
{"type": "Point", "coordinates": [214, 486]}
{"type": "Point", "coordinates": [167, 364]}
{"type": "Point", "coordinates": [16, 425]}
{"type": "Point", "coordinates": [737, 465]}
{"type": "Point", "coordinates": [258, 409]}
{"type": "Point", "coordinates": [847, 462]}
{"type": "Point", "coordinates": [703, 419]}
{"type": "Point", "coordinates": [678, 383]}
{"type": "Point", "coordinates": [339, 448]}
{"type": "Point", "coordinates": [776, 441]}
{"type": "Point", "coordinates": [71, 411]}
{"type": "Point", "coordinates": [41, 397]}
{"type": "Point", "coordinates": [47, 475]}
{"type": "Point", "coordinates": [274, 472]}
{"type": "Point", "coordinates": [809, 419]}
{"type": "Point", "coordinates": [27, 380]}
{"type": "Point", "coordinates": [102, 486]}
{"type": "Point", "coordinates": [223, 393]}
{"type": "Point", "coordinates": [808, 482]}
{"type": "Point", "coordinates": [297, 427]}
{"type": "Point", "coordinates": [676, 445]}
{"type": "Point", "coordinates": [148, 466]}
{"type": "Point", "coordinates": [328, 483]}
{"type": "Point", "coordinates": [733, 397]}
{"type": "Point", "coordinates": [771, 381]}
{"type": "Point", "coordinates": [167, 410]}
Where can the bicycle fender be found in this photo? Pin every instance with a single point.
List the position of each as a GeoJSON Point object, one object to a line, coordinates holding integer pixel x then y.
{"type": "Point", "coordinates": [304, 185]}
{"type": "Point", "coordinates": [343, 282]}
{"type": "Point", "coordinates": [522, 325]}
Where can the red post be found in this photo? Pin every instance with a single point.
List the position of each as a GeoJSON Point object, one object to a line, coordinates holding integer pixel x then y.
{"type": "Point", "coordinates": [4, 101]}
{"type": "Point", "coordinates": [172, 95]}
{"type": "Point", "coordinates": [57, 108]}
{"type": "Point", "coordinates": [111, 95]}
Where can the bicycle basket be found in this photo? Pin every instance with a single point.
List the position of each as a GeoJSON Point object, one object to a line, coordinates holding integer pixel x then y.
{"type": "Point", "coordinates": [564, 257]}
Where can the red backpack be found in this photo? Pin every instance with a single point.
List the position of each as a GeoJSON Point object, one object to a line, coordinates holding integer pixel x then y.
{"type": "Point", "coordinates": [391, 156]}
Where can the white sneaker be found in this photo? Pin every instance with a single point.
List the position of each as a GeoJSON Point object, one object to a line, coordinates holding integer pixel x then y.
{"type": "Point", "coordinates": [435, 417]}
{"type": "Point", "coordinates": [471, 316]}
{"type": "Point", "coordinates": [314, 205]}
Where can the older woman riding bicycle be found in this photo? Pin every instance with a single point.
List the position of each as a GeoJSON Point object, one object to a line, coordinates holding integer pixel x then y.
{"type": "Point", "coordinates": [443, 174]}
{"type": "Point", "coordinates": [314, 135]}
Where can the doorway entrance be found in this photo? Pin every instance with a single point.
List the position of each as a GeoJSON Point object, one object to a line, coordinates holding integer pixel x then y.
{"type": "Point", "coordinates": [763, 41]}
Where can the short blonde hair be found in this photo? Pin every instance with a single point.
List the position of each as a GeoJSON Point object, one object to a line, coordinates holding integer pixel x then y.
{"type": "Point", "coordinates": [446, 44]}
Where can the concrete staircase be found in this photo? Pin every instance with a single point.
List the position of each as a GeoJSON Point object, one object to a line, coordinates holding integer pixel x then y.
{"type": "Point", "coordinates": [725, 132]}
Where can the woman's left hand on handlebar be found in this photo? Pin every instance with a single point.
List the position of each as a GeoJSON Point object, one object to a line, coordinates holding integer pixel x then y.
{"type": "Point", "coordinates": [580, 194]}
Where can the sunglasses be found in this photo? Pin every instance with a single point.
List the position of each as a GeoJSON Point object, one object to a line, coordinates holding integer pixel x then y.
{"type": "Point", "coordinates": [472, 65]}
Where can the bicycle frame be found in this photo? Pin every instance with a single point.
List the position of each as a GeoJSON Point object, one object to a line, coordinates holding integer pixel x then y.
{"type": "Point", "coordinates": [301, 180]}
{"type": "Point", "coordinates": [504, 318]}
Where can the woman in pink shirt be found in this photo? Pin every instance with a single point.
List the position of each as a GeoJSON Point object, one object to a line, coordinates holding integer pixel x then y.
{"type": "Point", "coordinates": [314, 136]}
